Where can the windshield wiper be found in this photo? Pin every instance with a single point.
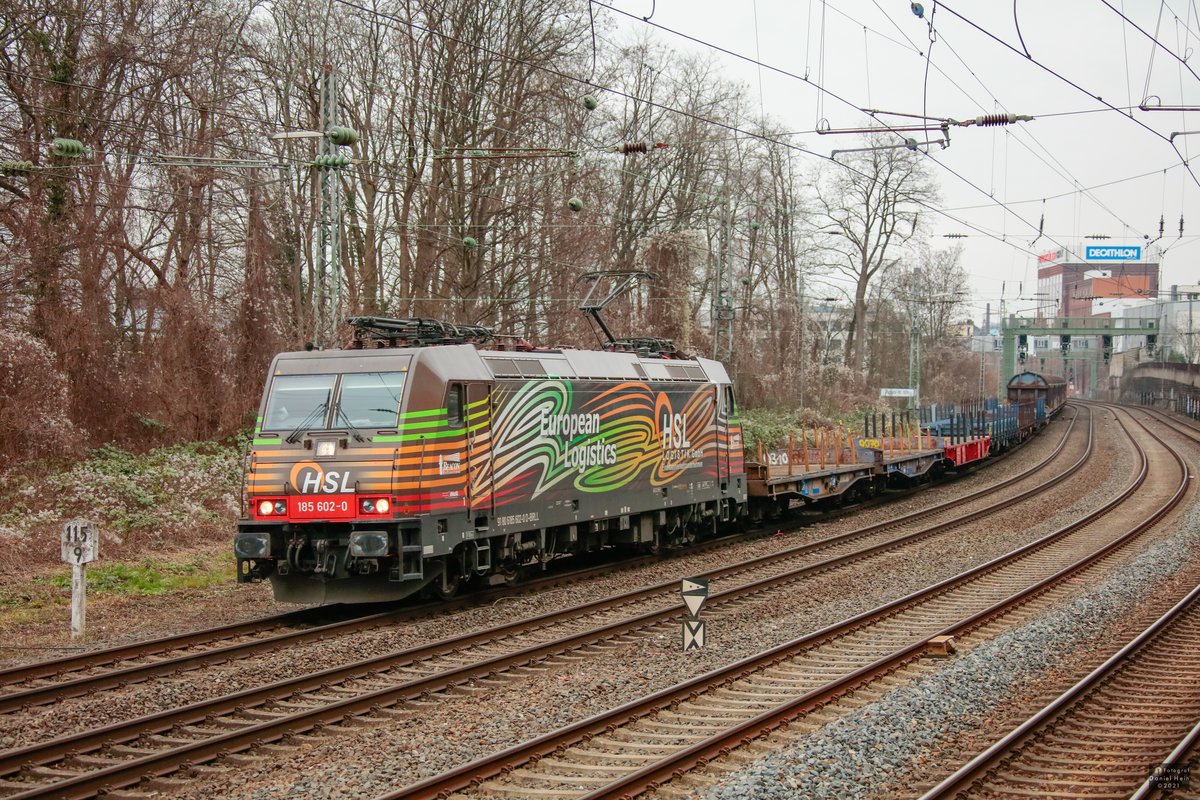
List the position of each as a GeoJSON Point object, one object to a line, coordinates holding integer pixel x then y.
{"type": "Point", "coordinates": [342, 415]}
{"type": "Point", "coordinates": [293, 437]}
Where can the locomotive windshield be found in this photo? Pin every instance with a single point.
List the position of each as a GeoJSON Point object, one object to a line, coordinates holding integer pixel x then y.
{"type": "Point", "coordinates": [370, 399]}
{"type": "Point", "coordinates": [364, 400]}
{"type": "Point", "coordinates": [298, 399]}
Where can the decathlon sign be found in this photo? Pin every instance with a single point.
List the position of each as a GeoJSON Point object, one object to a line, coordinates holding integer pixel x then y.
{"type": "Point", "coordinates": [1099, 252]}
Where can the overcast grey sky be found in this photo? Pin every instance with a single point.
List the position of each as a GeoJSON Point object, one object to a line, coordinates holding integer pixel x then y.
{"type": "Point", "coordinates": [874, 53]}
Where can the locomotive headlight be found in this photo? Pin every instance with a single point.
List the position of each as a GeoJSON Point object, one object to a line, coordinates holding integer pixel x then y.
{"type": "Point", "coordinates": [326, 449]}
{"type": "Point", "coordinates": [368, 506]}
{"type": "Point", "coordinates": [252, 545]}
{"type": "Point", "coordinates": [382, 505]}
{"type": "Point", "coordinates": [267, 508]}
{"type": "Point", "coordinates": [368, 544]}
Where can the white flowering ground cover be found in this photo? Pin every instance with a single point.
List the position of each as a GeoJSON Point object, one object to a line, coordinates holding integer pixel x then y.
{"type": "Point", "coordinates": [166, 517]}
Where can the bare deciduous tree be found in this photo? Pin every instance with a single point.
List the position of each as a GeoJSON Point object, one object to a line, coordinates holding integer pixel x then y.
{"type": "Point", "coordinates": [875, 204]}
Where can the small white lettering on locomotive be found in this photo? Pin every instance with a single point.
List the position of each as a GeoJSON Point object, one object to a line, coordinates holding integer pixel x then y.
{"type": "Point", "coordinates": [518, 519]}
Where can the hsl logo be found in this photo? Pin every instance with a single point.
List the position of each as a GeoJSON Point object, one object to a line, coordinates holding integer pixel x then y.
{"type": "Point", "coordinates": [674, 432]}
{"type": "Point", "coordinates": [310, 478]}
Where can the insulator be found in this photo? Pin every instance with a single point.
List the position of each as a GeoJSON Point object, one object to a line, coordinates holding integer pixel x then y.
{"type": "Point", "coordinates": [633, 147]}
{"type": "Point", "coordinates": [575, 204]}
{"type": "Point", "coordinates": [15, 167]}
{"type": "Point", "coordinates": [67, 148]}
{"type": "Point", "coordinates": [988, 120]}
{"type": "Point", "coordinates": [589, 102]}
{"type": "Point", "coordinates": [342, 136]}
{"type": "Point", "coordinates": [996, 119]}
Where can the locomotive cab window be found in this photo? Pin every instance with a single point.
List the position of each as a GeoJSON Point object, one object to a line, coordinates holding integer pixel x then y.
{"type": "Point", "coordinates": [730, 406]}
{"type": "Point", "coordinates": [297, 400]}
{"type": "Point", "coordinates": [454, 405]}
{"type": "Point", "coordinates": [370, 399]}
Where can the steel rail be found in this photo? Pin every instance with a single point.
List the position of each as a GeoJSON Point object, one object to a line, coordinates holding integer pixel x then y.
{"type": "Point", "coordinates": [57, 668]}
{"type": "Point", "coordinates": [1003, 748]}
{"type": "Point", "coordinates": [1179, 755]}
{"type": "Point", "coordinates": [474, 773]}
{"type": "Point", "coordinates": [134, 673]}
{"type": "Point", "coordinates": [162, 763]}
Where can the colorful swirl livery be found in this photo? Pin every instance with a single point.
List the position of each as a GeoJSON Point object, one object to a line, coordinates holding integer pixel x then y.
{"type": "Point", "coordinates": [383, 469]}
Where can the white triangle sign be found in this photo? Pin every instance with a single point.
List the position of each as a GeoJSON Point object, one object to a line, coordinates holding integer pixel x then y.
{"type": "Point", "coordinates": [695, 592]}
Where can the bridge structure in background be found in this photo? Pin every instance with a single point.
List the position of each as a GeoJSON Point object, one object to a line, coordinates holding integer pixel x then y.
{"type": "Point", "coordinates": [1015, 331]}
{"type": "Point", "coordinates": [1163, 380]}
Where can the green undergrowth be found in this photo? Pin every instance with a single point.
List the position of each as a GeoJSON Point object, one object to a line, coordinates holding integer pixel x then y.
{"type": "Point", "coordinates": [772, 427]}
{"type": "Point", "coordinates": [144, 578]}
{"type": "Point", "coordinates": [151, 577]}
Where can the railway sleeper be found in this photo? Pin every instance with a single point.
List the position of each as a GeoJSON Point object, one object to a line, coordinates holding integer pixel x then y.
{"type": "Point", "coordinates": [91, 761]}
{"type": "Point", "coordinates": [262, 714]}
{"type": "Point", "coordinates": [544, 772]}
{"type": "Point", "coordinates": [251, 758]}
{"type": "Point", "coordinates": [168, 741]}
{"type": "Point", "coordinates": [620, 748]}
{"type": "Point", "coordinates": [591, 760]}
{"type": "Point", "coordinates": [174, 784]}
{"type": "Point", "coordinates": [54, 773]}
{"type": "Point", "coordinates": [1106, 773]}
{"type": "Point", "coordinates": [132, 752]}
{"type": "Point", "coordinates": [501, 788]}
{"type": "Point", "coordinates": [131, 794]}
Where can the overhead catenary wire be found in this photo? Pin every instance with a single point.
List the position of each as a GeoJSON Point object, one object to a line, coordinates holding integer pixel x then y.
{"type": "Point", "coordinates": [985, 193]}
{"type": "Point", "coordinates": [697, 117]}
{"type": "Point", "coordinates": [1072, 84]}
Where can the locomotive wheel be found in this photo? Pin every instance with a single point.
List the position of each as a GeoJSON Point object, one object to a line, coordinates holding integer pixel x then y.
{"type": "Point", "coordinates": [448, 584]}
{"type": "Point", "coordinates": [510, 571]}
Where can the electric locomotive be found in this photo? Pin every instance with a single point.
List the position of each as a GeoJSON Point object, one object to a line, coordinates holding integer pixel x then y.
{"type": "Point", "coordinates": [416, 459]}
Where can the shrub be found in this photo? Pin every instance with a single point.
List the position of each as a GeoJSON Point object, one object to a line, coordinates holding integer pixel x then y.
{"type": "Point", "coordinates": [34, 401]}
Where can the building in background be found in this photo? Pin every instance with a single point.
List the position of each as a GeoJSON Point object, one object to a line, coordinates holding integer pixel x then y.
{"type": "Point", "coordinates": [1088, 288]}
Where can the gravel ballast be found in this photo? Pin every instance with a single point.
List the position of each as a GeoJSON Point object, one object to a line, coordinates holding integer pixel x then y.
{"type": "Point", "coordinates": [859, 754]}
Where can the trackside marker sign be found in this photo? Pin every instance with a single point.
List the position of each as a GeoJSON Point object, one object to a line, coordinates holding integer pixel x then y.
{"type": "Point", "coordinates": [695, 592]}
{"type": "Point", "coordinates": [693, 634]}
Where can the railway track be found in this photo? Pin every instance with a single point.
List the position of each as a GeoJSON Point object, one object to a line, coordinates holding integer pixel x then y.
{"type": "Point", "coordinates": [86, 673]}
{"type": "Point", "coordinates": [58, 679]}
{"type": "Point", "coordinates": [1105, 735]}
{"type": "Point", "coordinates": [642, 745]}
{"type": "Point", "coordinates": [123, 753]}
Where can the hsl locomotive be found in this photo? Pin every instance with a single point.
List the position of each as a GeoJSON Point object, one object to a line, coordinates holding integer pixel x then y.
{"type": "Point", "coordinates": [415, 459]}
